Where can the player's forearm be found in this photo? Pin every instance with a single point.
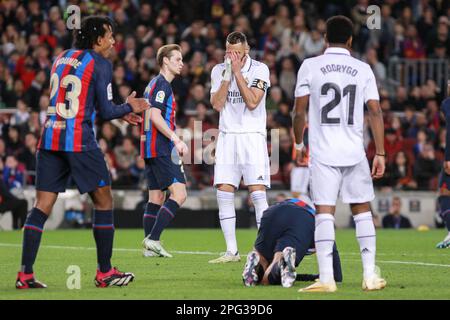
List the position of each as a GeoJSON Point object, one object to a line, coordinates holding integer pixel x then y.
{"type": "Point", "coordinates": [110, 111]}
{"type": "Point", "coordinates": [159, 123]}
{"type": "Point", "coordinates": [377, 127]}
{"type": "Point", "coordinates": [298, 120]}
{"type": "Point", "coordinates": [250, 98]}
{"type": "Point", "coordinates": [219, 98]}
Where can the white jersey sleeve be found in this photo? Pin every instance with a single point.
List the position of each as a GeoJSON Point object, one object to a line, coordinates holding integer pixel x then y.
{"type": "Point", "coordinates": [371, 90]}
{"type": "Point", "coordinates": [304, 77]}
{"type": "Point", "coordinates": [216, 78]}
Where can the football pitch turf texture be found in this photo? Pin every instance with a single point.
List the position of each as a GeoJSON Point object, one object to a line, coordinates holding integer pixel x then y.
{"type": "Point", "coordinates": [408, 260]}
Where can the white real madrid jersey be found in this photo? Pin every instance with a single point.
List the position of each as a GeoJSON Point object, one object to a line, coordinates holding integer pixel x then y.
{"type": "Point", "coordinates": [338, 86]}
{"type": "Point", "coordinates": [235, 117]}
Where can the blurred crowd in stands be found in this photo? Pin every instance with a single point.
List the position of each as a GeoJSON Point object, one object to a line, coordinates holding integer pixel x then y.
{"type": "Point", "coordinates": [281, 33]}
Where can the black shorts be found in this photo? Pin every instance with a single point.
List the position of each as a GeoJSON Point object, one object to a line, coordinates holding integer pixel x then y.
{"type": "Point", "coordinates": [285, 225]}
{"type": "Point", "coordinates": [87, 169]}
{"type": "Point", "coordinates": [162, 172]}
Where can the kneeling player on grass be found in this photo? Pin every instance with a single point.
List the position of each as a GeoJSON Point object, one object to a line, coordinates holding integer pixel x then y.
{"type": "Point", "coordinates": [80, 86]}
{"type": "Point", "coordinates": [161, 148]}
{"type": "Point", "coordinates": [285, 236]}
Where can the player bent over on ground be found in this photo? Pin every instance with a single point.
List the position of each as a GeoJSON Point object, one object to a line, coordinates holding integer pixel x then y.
{"type": "Point", "coordinates": [161, 148]}
{"type": "Point", "coordinates": [80, 86]}
{"type": "Point", "coordinates": [285, 236]}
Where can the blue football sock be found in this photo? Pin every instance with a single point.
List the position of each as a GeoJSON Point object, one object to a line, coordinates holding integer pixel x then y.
{"type": "Point", "coordinates": [165, 214]}
{"type": "Point", "coordinates": [444, 204]}
{"type": "Point", "coordinates": [150, 214]}
{"type": "Point", "coordinates": [33, 228]}
{"type": "Point", "coordinates": [103, 227]}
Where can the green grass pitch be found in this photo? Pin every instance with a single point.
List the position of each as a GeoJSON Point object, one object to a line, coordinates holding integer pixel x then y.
{"type": "Point", "coordinates": [408, 260]}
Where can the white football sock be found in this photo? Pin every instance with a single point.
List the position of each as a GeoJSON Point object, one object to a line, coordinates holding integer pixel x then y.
{"type": "Point", "coordinates": [259, 200]}
{"type": "Point", "coordinates": [365, 233]}
{"type": "Point", "coordinates": [324, 236]}
{"type": "Point", "coordinates": [227, 216]}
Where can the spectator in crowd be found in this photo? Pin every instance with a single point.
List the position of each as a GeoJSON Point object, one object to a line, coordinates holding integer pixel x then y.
{"type": "Point", "coordinates": [281, 33]}
{"type": "Point", "coordinates": [400, 173]}
{"type": "Point", "coordinates": [13, 174]}
{"type": "Point", "coordinates": [395, 219]}
{"type": "Point", "coordinates": [18, 207]}
{"type": "Point", "coordinates": [125, 155]}
{"type": "Point", "coordinates": [426, 168]}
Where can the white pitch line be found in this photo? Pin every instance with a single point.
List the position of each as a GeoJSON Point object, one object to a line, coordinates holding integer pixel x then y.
{"type": "Point", "coordinates": [417, 263]}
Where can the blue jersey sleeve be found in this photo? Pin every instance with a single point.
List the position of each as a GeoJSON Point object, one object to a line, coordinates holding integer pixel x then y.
{"type": "Point", "coordinates": [159, 96]}
{"type": "Point", "coordinates": [445, 108]}
{"type": "Point", "coordinates": [103, 91]}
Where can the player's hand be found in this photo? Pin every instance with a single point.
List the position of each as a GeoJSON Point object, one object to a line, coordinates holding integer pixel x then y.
{"type": "Point", "coordinates": [236, 64]}
{"type": "Point", "coordinates": [137, 104]}
{"type": "Point", "coordinates": [181, 147]}
{"type": "Point", "coordinates": [300, 156]}
{"type": "Point", "coordinates": [447, 167]}
{"type": "Point", "coordinates": [228, 73]}
{"type": "Point", "coordinates": [132, 119]}
{"type": "Point", "coordinates": [378, 167]}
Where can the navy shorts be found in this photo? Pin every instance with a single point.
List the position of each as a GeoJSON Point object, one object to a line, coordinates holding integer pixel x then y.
{"type": "Point", "coordinates": [88, 170]}
{"type": "Point", "coordinates": [162, 172]}
{"type": "Point", "coordinates": [285, 225]}
{"type": "Point", "coordinates": [444, 180]}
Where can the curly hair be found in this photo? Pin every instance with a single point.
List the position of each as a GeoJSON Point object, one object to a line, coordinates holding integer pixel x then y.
{"type": "Point", "coordinates": [92, 28]}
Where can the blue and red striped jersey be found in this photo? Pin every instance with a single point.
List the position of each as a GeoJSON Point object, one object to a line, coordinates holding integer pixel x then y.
{"type": "Point", "coordinates": [160, 95]}
{"type": "Point", "coordinates": [80, 87]}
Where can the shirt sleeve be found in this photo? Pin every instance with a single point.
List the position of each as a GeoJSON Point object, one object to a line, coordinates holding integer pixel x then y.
{"type": "Point", "coordinates": [371, 90]}
{"type": "Point", "coordinates": [159, 96]}
{"type": "Point", "coordinates": [103, 91]}
{"type": "Point", "coordinates": [216, 79]}
{"type": "Point", "coordinates": [262, 78]}
{"type": "Point", "coordinates": [304, 77]}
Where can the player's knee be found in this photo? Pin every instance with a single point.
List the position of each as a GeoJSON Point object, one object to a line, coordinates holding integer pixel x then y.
{"type": "Point", "coordinates": [157, 197]}
{"type": "Point", "coordinates": [179, 196]}
{"type": "Point", "coordinates": [103, 200]}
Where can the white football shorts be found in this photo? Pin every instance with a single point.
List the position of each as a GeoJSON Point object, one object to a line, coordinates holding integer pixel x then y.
{"type": "Point", "coordinates": [300, 180]}
{"type": "Point", "coordinates": [242, 155]}
{"type": "Point", "coordinates": [354, 183]}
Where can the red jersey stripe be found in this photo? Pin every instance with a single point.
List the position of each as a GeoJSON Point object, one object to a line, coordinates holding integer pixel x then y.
{"type": "Point", "coordinates": [78, 129]}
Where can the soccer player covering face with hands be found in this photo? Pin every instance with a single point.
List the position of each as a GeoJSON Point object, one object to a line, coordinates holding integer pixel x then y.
{"type": "Point", "coordinates": [238, 93]}
{"type": "Point", "coordinates": [336, 86]}
{"type": "Point", "coordinates": [80, 84]}
{"type": "Point", "coordinates": [161, 148]}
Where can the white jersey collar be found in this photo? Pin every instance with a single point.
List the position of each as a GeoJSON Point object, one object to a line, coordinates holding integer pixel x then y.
{"type": "Point", "coordinates": [337, 50]}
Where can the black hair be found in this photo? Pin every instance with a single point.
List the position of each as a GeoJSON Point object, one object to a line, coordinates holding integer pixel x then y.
{"type": "Point", "coordinates": [92, 27]}
{"type": "Point", "coordinates": [339, 29]}
{"type": "Point", "coordinates": [236, 37]}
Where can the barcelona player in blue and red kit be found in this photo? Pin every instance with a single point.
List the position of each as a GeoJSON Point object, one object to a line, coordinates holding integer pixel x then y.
{"type": "Point", "coordinates": [444, 178]}
{"type": "Point", "coordinates": [80, 85]}
{"type": "Point", "coordinates": [285, 236]}
{"type": "Point", "coordinates": [161, 148]}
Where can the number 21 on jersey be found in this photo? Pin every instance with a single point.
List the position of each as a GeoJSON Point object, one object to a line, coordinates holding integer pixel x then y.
{"type": "Point", "coordinates": [348, 90]}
